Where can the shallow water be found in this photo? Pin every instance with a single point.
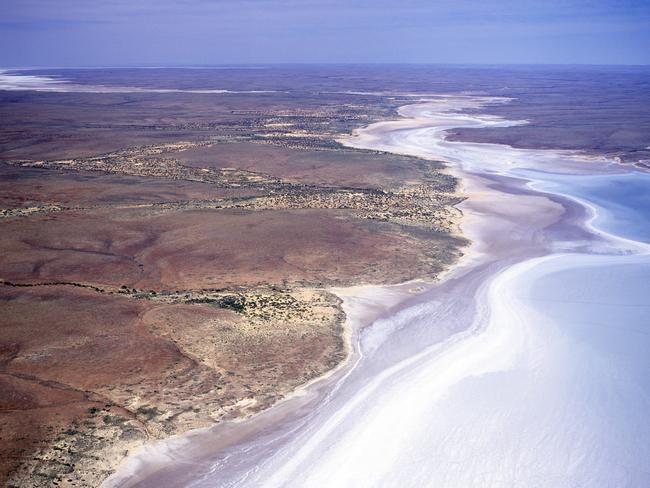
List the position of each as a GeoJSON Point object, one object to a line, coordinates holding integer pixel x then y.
{"type": "Point", "coordinates": [623, 200]}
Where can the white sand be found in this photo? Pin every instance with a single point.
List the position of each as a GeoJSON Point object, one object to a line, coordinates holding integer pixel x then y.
{"type": "Point", "coordinates": [12, 81]}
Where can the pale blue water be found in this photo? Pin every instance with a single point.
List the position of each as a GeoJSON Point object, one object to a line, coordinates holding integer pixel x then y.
{"type": "Point", "coordinates": [604, 306]}
{"type": "Point", "coordinates": [623, 200]}
{"type": "Point", "coordinates": [600, 307]}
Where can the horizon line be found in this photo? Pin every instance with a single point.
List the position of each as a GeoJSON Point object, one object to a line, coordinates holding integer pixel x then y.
{"type": "Point", "coordinates": [287, 64]}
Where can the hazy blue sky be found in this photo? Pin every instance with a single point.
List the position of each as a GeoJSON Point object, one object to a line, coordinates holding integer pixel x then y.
{"type": "Point", "coordinates": [173, 32]}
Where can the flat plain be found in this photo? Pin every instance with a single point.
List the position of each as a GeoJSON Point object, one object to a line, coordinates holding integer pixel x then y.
{"type": "Point", "coordinates": [166, 260]}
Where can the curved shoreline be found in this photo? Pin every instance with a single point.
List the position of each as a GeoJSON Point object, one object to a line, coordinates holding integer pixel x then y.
{"type": "Point", "coordinates": [380, 301]}
{"type": "Point", "coordinates": [147, 465]}
{"type": "Point", "coordinates": [492, 222]}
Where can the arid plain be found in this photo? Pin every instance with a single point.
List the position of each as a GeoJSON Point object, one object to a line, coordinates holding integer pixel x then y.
{"type": "Point", "coordinates": [166, 259]}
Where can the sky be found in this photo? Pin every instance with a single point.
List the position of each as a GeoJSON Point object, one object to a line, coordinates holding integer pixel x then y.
{"type": "Point", "coordinates": [67, 33]}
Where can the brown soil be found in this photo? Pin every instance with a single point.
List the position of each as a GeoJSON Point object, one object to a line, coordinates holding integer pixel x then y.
{"type": "Point", "coordinates": [164, 262]}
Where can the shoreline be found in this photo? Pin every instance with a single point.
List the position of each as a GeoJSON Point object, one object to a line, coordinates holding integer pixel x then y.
{"type": "Point", "coordinates": [357, 318]}
{"type": "Point", "coordinates": [475, 256]}
{"type": "Point", "coordinates": [492, 251]}
{"type": "Point", "coordinates": [359, 315]}
{"type": "Point", "coordinates": [367, 310]}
